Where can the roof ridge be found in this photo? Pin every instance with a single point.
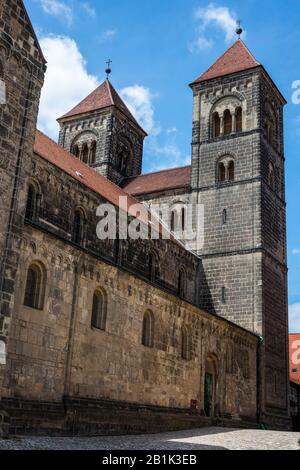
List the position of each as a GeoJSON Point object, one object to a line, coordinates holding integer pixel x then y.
{"type": "Point", "coordinates": [159, 171]}
{"type": "Point", "coordinates": [86, 167]}
{"type": "Point", "coordinates": [249, 52]}
{"type": "Point", "coordinates": [234, 59]}
{"type": "Point", "coordinates": [222, 55]}
{"type": "Point", "coordinates": [109, 85]}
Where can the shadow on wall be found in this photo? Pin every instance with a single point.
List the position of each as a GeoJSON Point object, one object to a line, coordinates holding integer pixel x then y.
{"type": "Point", "coordinates": [204, 300]}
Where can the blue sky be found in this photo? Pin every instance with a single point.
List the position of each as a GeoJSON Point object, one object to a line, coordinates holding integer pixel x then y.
{"type": "Point", "coordinates": [158, 47]}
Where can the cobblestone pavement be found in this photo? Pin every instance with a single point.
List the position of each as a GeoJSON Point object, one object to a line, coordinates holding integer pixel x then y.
{"type": "Point", "coordinates": [196, 439]}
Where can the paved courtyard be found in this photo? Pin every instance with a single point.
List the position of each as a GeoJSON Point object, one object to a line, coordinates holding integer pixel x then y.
{"type": "Point", "coordinates": [196, 439]}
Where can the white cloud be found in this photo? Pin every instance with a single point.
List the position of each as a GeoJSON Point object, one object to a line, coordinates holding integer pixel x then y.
{"type": "Point", "coordinates": [58, 8]}
{"type": "Point", "coordinates": [172, 130]}
{"type": "Point", "coordinates": [139, 101]}
{"type": "Point", "coordinates": [171, 153]}
{"type": "Point", "coordinates": [294, 318]}
{"type": "Point", "coordinates": [296, 251]}
{"type": "Point", "coordinates": [88, 9]}
{"type": "Point", "coordinates": [67, 81]}
{"type": "Point", "coordinates": [218, 17]}
{"type": "Point", "coordinates": [200, 44]}
{"type": "Point", "coordinates": [107, 35]}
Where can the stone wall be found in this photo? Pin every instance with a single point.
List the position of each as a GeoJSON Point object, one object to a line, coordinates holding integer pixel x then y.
{"type": "Point", "coordinates": [22, 68]}
{"type": "Point", "coordinates": [55, 351]}
{"type": "Point", "coordinates": [110, 129]}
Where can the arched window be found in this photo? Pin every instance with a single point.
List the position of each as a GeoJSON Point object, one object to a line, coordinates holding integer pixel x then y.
{"type": "Point", "coordinates": [32, 203]}
{"type": "Point", "coordinates": [227, 122]}
{"type": "Point", "coordinates": [99, 310]}
{"type": "Point", "coordinates": [35, 286]}
{"type": "Point", "coordinates": [216, 125]}
{"type": "Point", "coordinates": [78, 227]}
{"type": "Point", "coordinates": [75, 151]}
{"type": "Point", "coordinates": [85, 153]}
{"type": "Point", "coordinates": [1, 70]}
{"type": "Point", "coordinates": [124, 158]}
{"type": "Point", "coordinates": [185, 344]}
{"type": "Point", "coordinates": [221, 172]}
{"type": "Point", "coordinates": [226, 170]}
{"type": "Point", "coordinates": [148, 329]}
{"type": "Point", "coordinates": [231, 171]}
{"type": "Point", "coordinates": [93, 153]}
{"type": "Point", "coordinates": [239, 120]}
{"type": "Point", "coordinates": [271, 176]}
{"type": "Point", "coordinates": [182, 283]}
{"type": "Point", "coordinates": [152, 267]}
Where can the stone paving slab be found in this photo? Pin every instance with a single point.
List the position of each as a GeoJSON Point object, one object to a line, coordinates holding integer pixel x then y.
{"type": "Point", "coordinates": [197, 439]}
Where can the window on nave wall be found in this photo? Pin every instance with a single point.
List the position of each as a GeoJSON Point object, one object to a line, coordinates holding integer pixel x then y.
{"type": "Point", "coordinates": [99, 310]}
{"type": "Point", "coordinates": [33, 202]}
{"type": "Point", "coordinates": [35, 286]}
{"type": "Point", "coordinates": [148, 329]}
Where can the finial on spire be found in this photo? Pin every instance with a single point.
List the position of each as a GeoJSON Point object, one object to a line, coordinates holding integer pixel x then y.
{"type": "Point", "coordinates": [239, 29]}
{"type": "Point", "coordinates": [108, 69]}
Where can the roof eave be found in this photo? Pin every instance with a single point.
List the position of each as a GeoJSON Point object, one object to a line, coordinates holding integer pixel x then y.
{"type": "Point", "coordinates": [200, 81]}
{"type": "Point", "coordinates": [260, 66]}
{"type": "Point", "coordinates": [68, 117]}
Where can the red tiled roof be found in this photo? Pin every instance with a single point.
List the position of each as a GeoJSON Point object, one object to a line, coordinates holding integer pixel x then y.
{"type": "Point", "coordinates": [55, 154]}
{"type": "Point", "coordinates": [159, 181]}
{"type": "Point", "coordinates": [236, 59]}
{"type": "Point", "coordinates": [103, 97]}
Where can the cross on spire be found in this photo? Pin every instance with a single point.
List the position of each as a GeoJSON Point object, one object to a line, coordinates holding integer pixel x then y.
{"type": "Point", "coordinates": [239, 28]}
{"type": "Point", "coordinates": [108, 69]}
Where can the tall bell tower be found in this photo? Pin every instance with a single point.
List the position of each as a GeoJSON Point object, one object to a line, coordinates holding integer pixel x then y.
{"type": "Point", "coordinates": [102, 132]}
{"type": "Point", "coordinates": [238, 175]}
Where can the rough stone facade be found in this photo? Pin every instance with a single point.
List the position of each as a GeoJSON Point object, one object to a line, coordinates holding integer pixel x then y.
{"type": "Point", "coordinates": [244, 259]}
{"type": "Point", "coordinates": [22, 69]}
{"type": "Point", "coordinates": [114, 135]}
{"type": "Point", "coordinates": [55, 360]}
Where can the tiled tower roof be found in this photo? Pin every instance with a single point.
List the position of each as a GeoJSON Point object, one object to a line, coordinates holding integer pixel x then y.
{"type": "Point", "coordinates": [236, 59]}
{"type": "Point", "coordinates": [104, 96]}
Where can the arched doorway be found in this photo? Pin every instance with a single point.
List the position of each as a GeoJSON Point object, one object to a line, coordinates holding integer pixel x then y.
{"type": "Point", "coordinates": [210, 385]}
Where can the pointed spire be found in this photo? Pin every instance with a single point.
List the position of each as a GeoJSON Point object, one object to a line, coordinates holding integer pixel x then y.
{"type": "Point", "coordinates": [104, 96]}
{"type": "Point", "coordinates": [236, 59]}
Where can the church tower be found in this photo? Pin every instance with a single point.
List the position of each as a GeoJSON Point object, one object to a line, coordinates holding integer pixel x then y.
{"type": "Point", "coordinates": [238, 175]}
{"type": "Point", "coordinates": [22, 67]}
{"type": "Point", "coordinates": [102, 132]}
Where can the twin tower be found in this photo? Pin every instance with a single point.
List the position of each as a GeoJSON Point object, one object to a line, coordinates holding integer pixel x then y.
{"type": "Point", "coordinates": [237, 173]}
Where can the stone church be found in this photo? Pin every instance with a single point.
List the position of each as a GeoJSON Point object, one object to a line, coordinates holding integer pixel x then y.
{"type": "Point", "coordinates": [121, 335]}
